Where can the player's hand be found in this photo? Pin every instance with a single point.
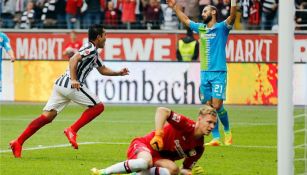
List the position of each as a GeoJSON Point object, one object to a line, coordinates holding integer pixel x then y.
{"type": "Point", "coordinates": [157, 142]}
{"type": "Point", "coordinates": [75, 84]}
{"type": "Point", "coordinates": [124, 71]}
{"type": "Point", "coordinates": [171, 3]}
{"type": "Point", "coordinates": [198, 170]}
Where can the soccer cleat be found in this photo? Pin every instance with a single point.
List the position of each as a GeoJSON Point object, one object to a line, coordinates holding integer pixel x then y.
{"type": "Point", "coordinates": [228, 138]}
{"type": "Point", "coordinates": [16, 148]}
{"type": "Point", "coordinates": [96, 171]}
{"type": "Point", "coordinates": [214, 142]}
{"type": "Point", "coordinates": [71, 136]}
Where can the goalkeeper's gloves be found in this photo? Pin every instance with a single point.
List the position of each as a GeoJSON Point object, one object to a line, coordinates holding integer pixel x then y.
{"type": "Point", "coordinates": [157, 142]}
{"type": "Point", "coordinates": [198, 170]}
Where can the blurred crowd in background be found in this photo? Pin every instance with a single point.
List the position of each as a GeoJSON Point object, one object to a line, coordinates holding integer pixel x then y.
{"type": "Point", "coordinates": [138, 14]}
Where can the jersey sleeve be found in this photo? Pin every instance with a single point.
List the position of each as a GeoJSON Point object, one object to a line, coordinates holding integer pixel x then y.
{"type": "Point", "coordinates": [194, 155]}
{"type": "Point", "coordinates": [226, 26]}
{"type": "Point", "coordinates": [86, 50]}
{"type": "Point", "coordinates": [99, 63]}
{"type": "Point", "coordinates": [181, 122]}
{"type": "Point", "coordinates": [195, 26]}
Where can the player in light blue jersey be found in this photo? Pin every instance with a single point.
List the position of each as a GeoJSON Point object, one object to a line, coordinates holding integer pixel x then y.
{"type": "Point", "coordinates": [213, 37]}
{"type": "Point", "coordinates": [5, 44]}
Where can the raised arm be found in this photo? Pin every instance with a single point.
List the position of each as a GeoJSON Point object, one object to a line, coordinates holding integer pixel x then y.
{"type": "Point", "coordinates": [181, 16]}
{"type": "Point", "coordinates": [233, 8]}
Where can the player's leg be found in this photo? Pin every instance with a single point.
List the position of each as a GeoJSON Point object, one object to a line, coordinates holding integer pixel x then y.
{"type": "Point", "coordinates": [219, 95]}
{"type": "Point", "coordinates": [223, 116]}
{"type": "Point", "coordinates": [54, 105]}
{"type": "Point", "coordinates": [139, 159]}
{"type": "Point", "coordinates": [206, 98]}
{"type": "Point", "coordinates": [85, 98]}
{"type": "Point", "coordinates": [215, 132]}
{"type": "Point", "coordinates": [169, 165]}
{"type": "Point", "coordinates": [137, 167]}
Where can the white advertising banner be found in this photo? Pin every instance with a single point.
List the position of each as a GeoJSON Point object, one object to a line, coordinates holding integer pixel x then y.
{"type": "Point", "coordinates": [153, 82]}
{"type": "Point", "coordinates": [7, 93]}
{"type": "Point", "coordinates": [148, 82]}
{"type": "Point", "coordinates": [300, 84]}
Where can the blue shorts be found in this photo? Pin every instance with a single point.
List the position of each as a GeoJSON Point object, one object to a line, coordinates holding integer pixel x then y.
{"type": "Point", "coordinates": [213, 85]}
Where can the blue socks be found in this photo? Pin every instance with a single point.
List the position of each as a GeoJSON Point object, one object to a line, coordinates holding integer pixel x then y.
{"type": "Point", "coordinates": [223, 116]}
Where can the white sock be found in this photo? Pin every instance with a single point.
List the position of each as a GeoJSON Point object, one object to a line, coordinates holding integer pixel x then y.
{"type": "Point", "coordinates": [127, 166]}
{"type": "Point", "coordinates": [159, 171]}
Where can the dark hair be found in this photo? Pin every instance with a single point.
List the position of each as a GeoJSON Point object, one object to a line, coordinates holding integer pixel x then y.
{"type": "Point", "coordinates": [94, 31]}
{"type": "Point", "coordinates": [215, 9]}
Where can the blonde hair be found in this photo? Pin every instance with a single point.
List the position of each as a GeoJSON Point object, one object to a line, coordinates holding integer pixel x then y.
{"type": "Point", "coordinates": [206, 109]}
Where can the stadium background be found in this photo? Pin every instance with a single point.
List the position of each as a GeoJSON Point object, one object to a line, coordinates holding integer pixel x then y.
{"type": "Point", "coordinates": [156, 78]}
{"type": "Point", "coordinates": [252, 64]}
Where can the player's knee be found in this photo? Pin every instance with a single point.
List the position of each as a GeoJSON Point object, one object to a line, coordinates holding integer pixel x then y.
{"type": "Point", "coordinates": [203, 101]}
{"type": "Point", "coordinates": [50, 115]}
{"type": "Point", "coordinates": [100, 107]}
{"type": "Point", "coordinates": [217, 106]}
{"type": "Point", "coordinates": [173, 170]}
{"type": "Point", "coordinates": [163, 171]}
{"type": "Point", "coordinates": [142, 164]}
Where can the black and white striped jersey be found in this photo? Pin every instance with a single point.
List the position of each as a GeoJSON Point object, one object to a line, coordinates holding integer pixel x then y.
{"type": "Point", "coordinates": [27, 19]}
{"type": "Point", "coordinates": [89, 60]}
{"type": "Point", "coordinates": [267, 5]}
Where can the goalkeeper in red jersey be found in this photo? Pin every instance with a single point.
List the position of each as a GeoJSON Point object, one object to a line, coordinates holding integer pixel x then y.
{"type": "Point", "coordinates": [176, 137]}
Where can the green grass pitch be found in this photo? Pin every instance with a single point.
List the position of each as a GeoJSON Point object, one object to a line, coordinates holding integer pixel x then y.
{"type": "Point", "coordinates": [104, 141]}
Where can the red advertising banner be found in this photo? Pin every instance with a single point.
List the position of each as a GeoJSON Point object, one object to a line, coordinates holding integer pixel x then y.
{"type": "Point", "coordinates": [152, 46]}
{"type": "Point", "coordinates": [252, 48]}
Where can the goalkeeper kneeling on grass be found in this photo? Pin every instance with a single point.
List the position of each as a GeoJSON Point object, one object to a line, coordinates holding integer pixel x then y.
{"type": "Point", "coordinates": [176, 137]}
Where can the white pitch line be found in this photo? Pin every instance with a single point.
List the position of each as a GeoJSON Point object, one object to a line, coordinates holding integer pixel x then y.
{"type": "Point", "coordinates": [40, 147]}
{"type": "Point", "coordinates": [67, 145]}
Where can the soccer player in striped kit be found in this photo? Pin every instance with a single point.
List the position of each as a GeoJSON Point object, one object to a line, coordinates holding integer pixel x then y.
{"type": "Point", "coordinates": [70, 87]}
{"type": "Point", "coordinates": [213, 37]}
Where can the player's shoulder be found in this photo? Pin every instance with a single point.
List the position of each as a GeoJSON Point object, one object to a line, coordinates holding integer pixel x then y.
{"type": "Point", "coordinates": [87, 48]}
{"type": "Point", "coordinates": [194, 24]}
{"type": "Point", "coordinates": [220, 24]}
{"type": "Point", "coordinates": [176, 117]}
{"type": "Point", "coordinates": [223, 25]}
